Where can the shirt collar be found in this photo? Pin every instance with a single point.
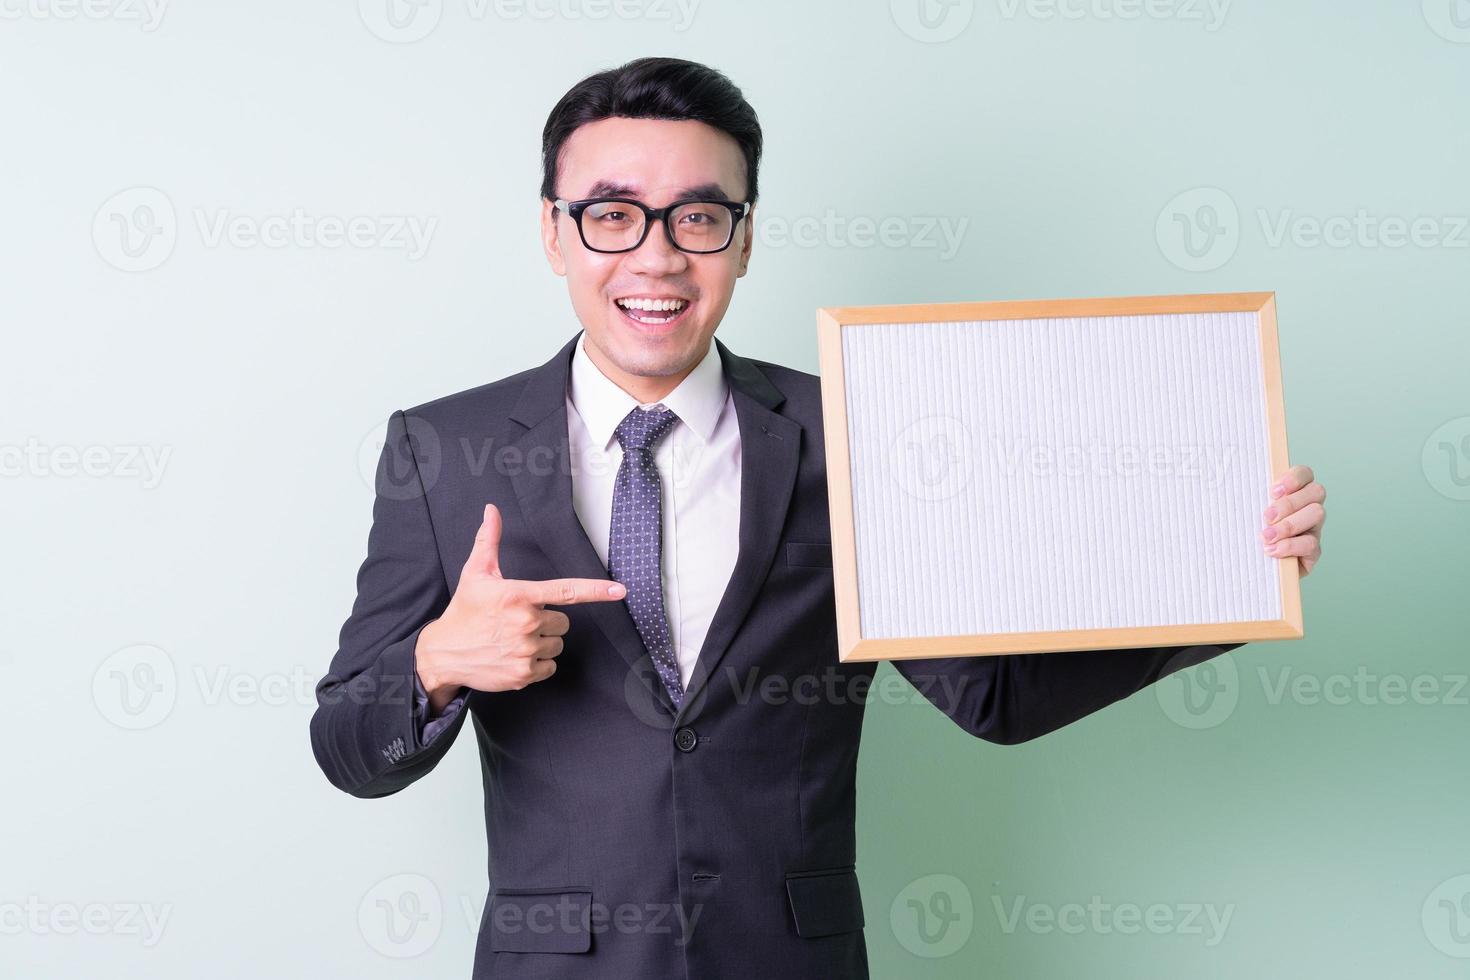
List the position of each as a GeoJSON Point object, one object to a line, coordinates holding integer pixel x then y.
{"type": "Point", "coordinates": [601, 404]}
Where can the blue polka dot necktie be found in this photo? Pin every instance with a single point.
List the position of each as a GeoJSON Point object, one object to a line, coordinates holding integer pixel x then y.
{"type": "Point", "coordinates": [635, 543]}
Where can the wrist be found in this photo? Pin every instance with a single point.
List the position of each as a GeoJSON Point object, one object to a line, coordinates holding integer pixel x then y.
{"type": "Point", "coordinates": [429, 664]}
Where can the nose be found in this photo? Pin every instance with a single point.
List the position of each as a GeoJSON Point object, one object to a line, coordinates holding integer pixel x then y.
{"type": "Point", "coordinates": [657, 256]}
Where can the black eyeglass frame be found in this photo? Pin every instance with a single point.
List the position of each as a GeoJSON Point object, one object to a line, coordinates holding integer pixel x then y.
{"type": "Point", "coordinates": [574, 209]}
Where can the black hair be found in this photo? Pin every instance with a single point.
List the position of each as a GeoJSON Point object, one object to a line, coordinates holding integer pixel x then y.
{"type": "Point", "coordinates": [653, 88]}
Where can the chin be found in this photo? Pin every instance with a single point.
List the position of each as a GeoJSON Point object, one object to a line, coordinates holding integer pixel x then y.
{"type": "Point", "coordinates": [653, 356]}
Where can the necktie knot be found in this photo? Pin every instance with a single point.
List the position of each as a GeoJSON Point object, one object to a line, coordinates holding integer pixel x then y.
{"type": "Point", "coordinates": [640, 429]}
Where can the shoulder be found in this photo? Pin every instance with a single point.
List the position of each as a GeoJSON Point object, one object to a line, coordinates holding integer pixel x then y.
{"type": "Point", "coordinates": [801, 402]}
{"type": "Point", "coordinates": [802, 393]}
{"type": "Point", "coordinates": [789, 379]}
{"type": "Point", "coordinates": [802, 390]}
{"type": "Point", "coordinates": [493, 400]}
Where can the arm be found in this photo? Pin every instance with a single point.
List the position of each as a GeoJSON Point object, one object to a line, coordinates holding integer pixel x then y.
{"type": "Point", "coordinates": [368, 733]}
{"type": "Point", "coordinates": [429, 718]}
{"type": "Point", "coordinates": [1014, 698]}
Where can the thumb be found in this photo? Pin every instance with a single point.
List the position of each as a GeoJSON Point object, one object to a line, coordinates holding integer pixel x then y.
{"type": "Point", "coordinates": [484, 557]}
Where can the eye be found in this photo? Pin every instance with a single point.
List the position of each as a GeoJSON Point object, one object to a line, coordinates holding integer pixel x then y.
{"type": "Point", "coordinates": [612, 214]}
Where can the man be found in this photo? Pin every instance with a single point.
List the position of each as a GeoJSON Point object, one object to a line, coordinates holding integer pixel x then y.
{"type": "Point", "coordinates": [646, 551]}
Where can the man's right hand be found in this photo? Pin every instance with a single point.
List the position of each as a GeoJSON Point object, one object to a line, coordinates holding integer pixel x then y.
{"type": "Point", "coordinates": [496, 634]}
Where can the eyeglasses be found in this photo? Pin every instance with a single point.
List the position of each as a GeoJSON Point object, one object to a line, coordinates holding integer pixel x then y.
{"type": "Point", "coordinates": [620, 224]}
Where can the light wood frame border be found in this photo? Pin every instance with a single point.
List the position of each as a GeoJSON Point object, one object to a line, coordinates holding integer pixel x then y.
{"type": "Point", "coordinates": [851, 646]}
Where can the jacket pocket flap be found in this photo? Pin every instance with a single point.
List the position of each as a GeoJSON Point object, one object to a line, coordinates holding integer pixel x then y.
{"type": "Point", "coordinates": [825, 903]}
{"type": "Point", "coordinates": [542, 920]}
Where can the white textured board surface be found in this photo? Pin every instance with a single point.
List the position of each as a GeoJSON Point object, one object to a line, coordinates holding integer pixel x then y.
{"type": "Point", "coordinates": [1058, 474]}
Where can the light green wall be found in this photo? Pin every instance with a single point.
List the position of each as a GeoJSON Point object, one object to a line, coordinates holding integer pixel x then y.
{"type": "Point", "coordinates": [1056, 148]}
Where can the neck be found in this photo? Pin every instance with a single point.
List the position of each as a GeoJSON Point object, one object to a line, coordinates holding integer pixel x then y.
{"type": "Point", "coordinates": [645, 389]}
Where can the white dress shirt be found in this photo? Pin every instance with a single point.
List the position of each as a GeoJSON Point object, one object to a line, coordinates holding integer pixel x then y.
{"type": "Point", "coordinates": [698, 463]}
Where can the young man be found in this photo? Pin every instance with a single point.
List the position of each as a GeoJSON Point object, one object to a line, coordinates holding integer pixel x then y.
{"type": "Point", "coordinates": [612, 596]}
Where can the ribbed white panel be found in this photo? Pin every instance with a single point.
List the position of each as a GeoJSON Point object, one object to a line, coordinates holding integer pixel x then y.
{"type": "Point", "coordinates": [1058, 474]}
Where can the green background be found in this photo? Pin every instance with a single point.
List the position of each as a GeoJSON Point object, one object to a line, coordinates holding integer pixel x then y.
{"type": "Point", "coordinates": [1333, 834]}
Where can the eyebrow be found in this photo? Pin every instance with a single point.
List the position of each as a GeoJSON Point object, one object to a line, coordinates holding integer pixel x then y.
{"type": "Point", "coordinates": [612, 188]}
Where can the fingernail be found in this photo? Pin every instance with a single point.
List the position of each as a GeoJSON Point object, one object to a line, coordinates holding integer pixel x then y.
{"type": "Point", "coordinates": [616, 591]}
{"type": "Point", "coordinates": [1270, 513]}
{"type": "Point", "coordinates": [1278, 489]}
{"type": "Point", "coordinates": [1274, 549]}
{"type": "Point", "coordinates": [1270, 533]}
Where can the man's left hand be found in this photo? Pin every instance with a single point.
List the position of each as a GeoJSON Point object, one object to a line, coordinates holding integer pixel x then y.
{"type": "Point", "coordinates": [1294, 518]}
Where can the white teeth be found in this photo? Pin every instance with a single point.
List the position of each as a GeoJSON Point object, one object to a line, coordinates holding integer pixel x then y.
{"type": "Point", "coordinates": [664, 305]}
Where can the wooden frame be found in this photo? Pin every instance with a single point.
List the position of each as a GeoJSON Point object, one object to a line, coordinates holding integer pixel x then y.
{"type": "Point", "coordinates": [852, 646]}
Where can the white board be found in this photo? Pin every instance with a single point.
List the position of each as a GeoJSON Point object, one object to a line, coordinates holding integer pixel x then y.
{"type": "Point", "coordinates": [1054, 476]}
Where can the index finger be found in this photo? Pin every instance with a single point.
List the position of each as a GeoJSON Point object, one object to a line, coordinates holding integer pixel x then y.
{"type": "Point", "coordinates": [570, 591]}
{"type": "Point", "coordinates": [1291, 481]}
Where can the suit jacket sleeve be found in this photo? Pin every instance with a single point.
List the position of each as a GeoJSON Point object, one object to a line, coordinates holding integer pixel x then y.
{"type": "Point", "coordinates": [1017, 697]}
{"type": "Point", "coordinates": [369, 733]}
{"type": "Point", "coordinates": [426, 721]}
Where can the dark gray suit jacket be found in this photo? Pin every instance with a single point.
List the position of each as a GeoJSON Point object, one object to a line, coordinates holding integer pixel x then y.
{"type": "Point", "coordinates": [628, 841]}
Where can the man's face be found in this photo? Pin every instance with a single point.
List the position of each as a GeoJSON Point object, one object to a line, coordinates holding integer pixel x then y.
{"type": "Point", "coordinates": [655, 161]}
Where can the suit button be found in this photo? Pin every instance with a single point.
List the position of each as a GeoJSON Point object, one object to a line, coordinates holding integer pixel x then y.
{"type": "Point", "coordinates": [685, 740]}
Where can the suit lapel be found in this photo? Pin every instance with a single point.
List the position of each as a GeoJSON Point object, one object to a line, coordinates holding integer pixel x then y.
{"type": "Point", "coordinates": [770, 448]}
{"type": "Point", "coordinates": [543, 485]}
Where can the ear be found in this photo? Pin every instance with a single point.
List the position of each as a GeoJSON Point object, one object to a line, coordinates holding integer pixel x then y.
{"type": "Point", "coordinates": [749, 232]}
{"type": "Point", "coordinates": [551, 237]}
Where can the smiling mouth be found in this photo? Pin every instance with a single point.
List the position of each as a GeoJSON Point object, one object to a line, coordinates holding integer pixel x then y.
{"type": "Point", "coordinates": [653, 312]}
